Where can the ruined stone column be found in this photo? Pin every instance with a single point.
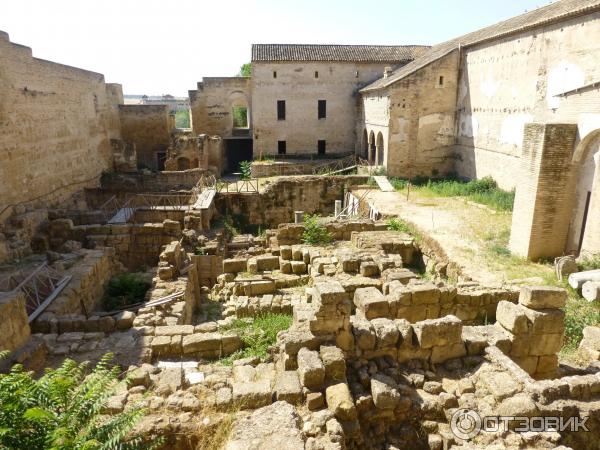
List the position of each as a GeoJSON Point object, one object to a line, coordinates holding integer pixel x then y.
{"type": "Point", "coordinates": [536, 327]}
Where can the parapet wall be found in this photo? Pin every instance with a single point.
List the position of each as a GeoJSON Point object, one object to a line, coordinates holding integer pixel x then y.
{"type": "Point", "coordinates": [57, 141]}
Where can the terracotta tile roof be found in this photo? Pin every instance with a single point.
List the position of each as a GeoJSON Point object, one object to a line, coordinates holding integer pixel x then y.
{"type": "Point", "coordinates": [555, 12]}
{"type": "Point", "coordinates": [349, 53]}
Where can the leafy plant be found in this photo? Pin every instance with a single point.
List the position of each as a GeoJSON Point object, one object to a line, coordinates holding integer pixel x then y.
{"type": "Point", "coordinates": [257, 334]}
{"type": "Point", "coordinates": [62, 410]}
{"type": "Point", "coordinates": [245, 170]}
{"type": "Point", "coordinates": [314, 233]}
{"type": "Point", "coordinates": [579, 313]}
{"type": "Point", "coordinates": [395, 224]}
{"type": "Point", "coordinates": [245, 70]}
{"type": "Point", "coordinates": [590, 262]}
{"type": "Point", "coordinates": [182, 118]}
{"type": "Point", "coordinates": [124, 290]}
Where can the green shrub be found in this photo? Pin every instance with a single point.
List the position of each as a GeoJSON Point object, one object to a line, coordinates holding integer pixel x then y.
{"type": "Point", "coordinates": [258, 334]}
{"type": "Point", "coordinates": [396, 224]}
{"type": "Point", "coordinates": [245, 170]}
{"type": "Point", "coordinates": [579, 313]}
{"type": "Point", "coordinates": [124, 290]}
{"type": "Point", "coordinates": [314, 233]}
{"type": "Point", "coordinates": [62, 410]}
{"type": "Point", "coordinates": [590, 262]}
{"type": "Point", "coordinates": [182, 119]}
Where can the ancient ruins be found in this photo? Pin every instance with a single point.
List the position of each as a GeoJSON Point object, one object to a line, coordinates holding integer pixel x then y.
{"type": "Point", "coordinates": [262, 326]}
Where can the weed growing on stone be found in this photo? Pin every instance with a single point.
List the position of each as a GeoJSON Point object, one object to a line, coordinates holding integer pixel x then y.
{"type": "Point", "coordinates": [315, 233]}
{"type": "Point", "coordinates": [579, 313]}
{"type": "Point", "coordinates": [123, 290]}
{"type": "Point", "coordinates": [395, 224]}
{"type": "Point", "coordinates": [590, 262]}
{"type": "Point", "coordinates": [257, 334]}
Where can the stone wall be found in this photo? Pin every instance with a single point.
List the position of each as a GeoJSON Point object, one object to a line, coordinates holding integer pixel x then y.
{"type": "Point", "coordinates": [277, 203]}
{"type": "Point", "coordinates": [337, 83]}
{"type": "Point", "coordinates": [212, 102]}
{"type": "Point", "coordinates": [56, 124]}
{"type": "Point", "coordinates": [14, 326]}
{"type": "Point", "coordinates": [147, 127]}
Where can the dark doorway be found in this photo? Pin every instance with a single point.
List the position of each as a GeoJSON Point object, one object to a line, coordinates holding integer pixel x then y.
{"type": "Point", "coordinates": [236, 151]}
{"type": "Point", "coordinates": [161, 157]}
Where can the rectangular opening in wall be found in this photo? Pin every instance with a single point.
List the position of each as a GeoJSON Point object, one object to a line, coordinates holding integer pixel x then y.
{"type": "Point", "coordinates": [316, 74]}
{"type": "Point", "coordinates": [280, 109]}
{"type": "Point", "coordinates": [356, 74]}
{"type": "Point", "coordinates": [322, 109]}
{"type": "Point", "coordinates": [161, 157]}
{"type": "Point", "coordinates": [441, 81]}
{"type": "Point", "coordinates": [281, 147]}
{"type": "Point", "coordinates": [274, 74]}
{"type": "Point", "coordinates": [321, 146]}
{"type": "Point", "coordinates": [240, 117]}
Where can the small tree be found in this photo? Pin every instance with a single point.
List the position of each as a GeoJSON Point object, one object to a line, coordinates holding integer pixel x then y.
{"type": "Point", "coordinates": [62, 410]}
{"type": "Point", "coordinates": [245, 70]}
{"type": "Point", "coordinates": [246, 170]}
{"type": "Point", "coordinates": [315, 233]}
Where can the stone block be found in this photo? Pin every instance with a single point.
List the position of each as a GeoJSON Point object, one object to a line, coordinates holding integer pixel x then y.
{"type": "Point", "coordinates": [204, 342]}
{"type": "Point", "coordinates": [260, 287]}
{"type": "Point", "coordinates": [314, 401]}
{"type": "Point", "coordinates": [334, 362]}
{"type": "Point", "coordinates": [545, 344]}
{"type": "Point", "coordinates": [386, 331]}
{"type": "Point", "coordinates": [384, 392]}
{"type": "Point", "coordinates": [339, 401]}
{"type": "Point", "coordinates": [285, 252]}
{"type": "Point", "coordinates": [235, 265]}
{"type": "Point", "coordinates": [329, 292]}
{"type": "Point", "coordinates": [298, 267]}
{"type": "Point", "coordinates": [252, 394]}
{"type": "Point", "coordinates": [542, 297]}
{"type": "Point", "coordinates": [267, 262]}
{"type": "Point", "coordinates": [439, 354]}
{"type": "Point", "coordinates": [173, 330]}
{"type": "Point", "coordinates": [425, 294]}
{"type": "Point", "coordinates": [369, 269]}
{"type": "Point", "coordinates": [545, 321]}
{"type": "Point", "coordinates": [438, 332]}
{"type": "Point", "coordinates": [288, 388]}
{"type": "Point", "coordinates": [310, 369]}
{"type": "Point", "coordinates": [512, 317]}
{"type": "Point", "coordinates": [370, 303]}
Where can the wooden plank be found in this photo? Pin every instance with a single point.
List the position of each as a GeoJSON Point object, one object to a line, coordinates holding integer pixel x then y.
{"type": "Point", "coordinates": [40, 309]}
{"type": "Point", "coordinates": [383, 183]}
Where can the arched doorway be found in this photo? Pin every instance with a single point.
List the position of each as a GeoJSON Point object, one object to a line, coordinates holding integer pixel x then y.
{"type": "Point", "coordinates": [183, 163]}
{"type": "Point", "coordinates": [379, 146]}
{"type": "Point", "coordinates": [364, 145]}
{"type": "Point", "coordinates": [372, 154]}
{"type": "Point", "coordinates": [586, 210]}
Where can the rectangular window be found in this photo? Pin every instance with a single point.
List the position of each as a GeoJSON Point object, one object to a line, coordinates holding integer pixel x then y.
{"type": "Point", "coordinates": [441, 81]}
{"type": "Point", "coordinates": [274, 74]}
{"type": "Point", "coordinates": [322, 109]}
{"type": "Point", "coordinates": [316, 74]}
{"type": "Point", "coordinates": [321, 145]}
{"type": "Point", "coordinates": [281, 147]}
{"type": "Point", "coordinates": [280, 109]}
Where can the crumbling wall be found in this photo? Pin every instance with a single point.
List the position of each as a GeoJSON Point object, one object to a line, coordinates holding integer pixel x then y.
{"type": "Point", "coordinates": [14, 326]}
{"type": "Point", "coordinates": [147, 127]}
{"type": "Point", "coordinates": [56, 124]}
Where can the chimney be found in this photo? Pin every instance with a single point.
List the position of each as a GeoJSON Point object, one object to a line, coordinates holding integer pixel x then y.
{"type": "Point", "coordinates": [387, 71]}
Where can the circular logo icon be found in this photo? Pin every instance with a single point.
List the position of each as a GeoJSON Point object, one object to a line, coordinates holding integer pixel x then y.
{"type": "Point", "coordinates": [465, 423]}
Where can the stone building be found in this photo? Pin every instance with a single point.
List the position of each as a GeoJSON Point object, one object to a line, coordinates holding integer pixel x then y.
{"type": "Point", "coordinates": [517, 101]}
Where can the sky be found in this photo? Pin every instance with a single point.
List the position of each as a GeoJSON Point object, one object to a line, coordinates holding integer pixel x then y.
{"type": "Point", "coordinates": [159, 47]}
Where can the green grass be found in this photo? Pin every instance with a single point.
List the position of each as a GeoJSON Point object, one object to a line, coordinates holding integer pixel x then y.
{"type": "Point", "coordinates": [257, 334]}
{"type": "Point", "coordinates": [123, 290]}
{"type": "Point", "coordinates": [590, 262]}
{"type": "Point", "coordinates": [182, 119]}
{"type": "Point", "coordinates": [579, 313]}
{"type": "Point", "coordinates": [484, 191]}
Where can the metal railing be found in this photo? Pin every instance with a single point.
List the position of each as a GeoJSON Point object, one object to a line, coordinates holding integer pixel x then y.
{"type": "Point", "coordinates": [352, 210]}
{"type": "Point", "coordinates": [338, 165]}
{"type": "Point", "coordinates": [40, 287]}
{"type": "Point", "coordinates": [250, 186]}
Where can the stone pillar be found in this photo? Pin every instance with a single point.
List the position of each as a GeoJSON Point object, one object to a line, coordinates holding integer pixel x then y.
{"type": "Point", "coordinates": [331, 313]}
{"type": "Point", "coordinates": [536, 327]}
{"type": "Point", "coordinates": [591, 238]}
{"type": "Point", "coordinates": [171, 121]}
{"type": "Point", "coordinates": [298, 217]}
{"type": "Point", "coordinates": [543, 202]}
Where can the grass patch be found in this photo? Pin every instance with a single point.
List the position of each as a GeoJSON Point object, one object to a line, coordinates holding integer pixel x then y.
{"type": "Point", "coordinates": [124, 290]}
{"type": "Point", "coordinates": [591, 262]}
{"type": "Point", "coordinates": [484, 191]}
{"type": "Point", "coordinates": [395, 224]}
{"type": "Point", "coordinates": [314, 233]}
{"type": "Point", "coordinates": [579, 313]}
{"type": "Point", "coordinates": [257, 334]}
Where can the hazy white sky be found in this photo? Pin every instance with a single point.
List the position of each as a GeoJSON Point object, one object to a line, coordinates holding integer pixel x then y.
{"type": "Point", "coordinates": [159, 47]}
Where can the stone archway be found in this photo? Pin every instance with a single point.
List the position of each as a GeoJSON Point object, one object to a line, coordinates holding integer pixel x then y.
{"type": "Point", "coordinates": [380, 149]}
{"type": "Point", "coordinates": [183, 163]}
{"type": "Point", "coordinates": [364, 145]}
{"type": "Point", "coordinates": [585, 228]}
{"type": "Point", "coordinates": [372, 150]}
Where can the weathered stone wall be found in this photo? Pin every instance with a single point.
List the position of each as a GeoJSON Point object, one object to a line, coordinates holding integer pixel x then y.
{"type": "Point", "coordinates": [337, 83]}
{"type": "Point", "coordinates": [56, 123]}
{"type": "Point", "coordinates": [421, 124]}
{"type": "Point", "coordinates": [148, 128]}
{"type": "Point", "coordinates": [14, 326]}
{"type": "Point", "coordinates": [279, 200]}
{"type": "Point", "coordinates": [212, 102]}
{"type": "Point", "coordinates": [506, 83]}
